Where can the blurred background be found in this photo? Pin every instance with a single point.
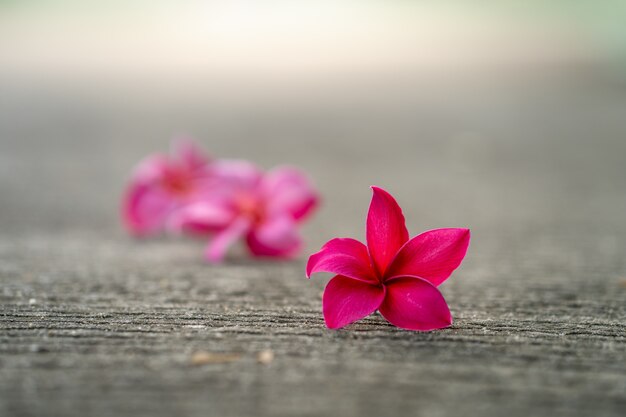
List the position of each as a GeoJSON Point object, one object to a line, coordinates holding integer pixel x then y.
{"type": "Point", "coordinates": [500, 116]}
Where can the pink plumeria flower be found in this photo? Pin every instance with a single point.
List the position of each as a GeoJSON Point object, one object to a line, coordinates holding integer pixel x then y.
{"type": "Point", "coordinates": [264, 209]}
{"type": "Point", "coordinates": [392, 274]}
{"type": "Point", "coordinates": [161, 184]}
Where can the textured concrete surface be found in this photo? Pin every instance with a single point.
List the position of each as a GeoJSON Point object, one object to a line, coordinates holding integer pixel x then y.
{"type": "Point", "coordinates": [94, 323]}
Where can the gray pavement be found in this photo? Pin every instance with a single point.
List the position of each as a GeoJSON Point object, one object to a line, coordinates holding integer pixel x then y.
{"type": "Point", "coordinates": [95, 323]}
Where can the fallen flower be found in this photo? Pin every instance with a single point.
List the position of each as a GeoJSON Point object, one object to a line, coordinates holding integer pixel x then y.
{"type": "Point", "coordinates": [392, 274]}
{"type": "Point", "coordinates": [161, 184]}
{"type": "Point", "coordinates": [263, 208]}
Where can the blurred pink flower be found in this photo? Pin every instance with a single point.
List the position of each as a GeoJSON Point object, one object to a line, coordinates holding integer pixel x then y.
{"type": "Point", "coordinates": [392, 274]}
{"type": "Point", "coordinates": [161, 184]}
{"type": "Point", "coordinates": [265, 209]}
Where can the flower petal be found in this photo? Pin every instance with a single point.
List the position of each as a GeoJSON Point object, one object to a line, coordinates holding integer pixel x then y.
{"type": "Point", "coordinates": [277, 237]}
{"type": "Point", "coordinates": [145, 210]}
{"type": "Point", "coordinates": [347, 300]}
{"type": "Point", "coordinates": [187, 151]}
{"type": "Point", "coordinates": [216, 250]}
{"type": "Point", "coordinates": [151, 169]}
{"type": "Point", "coordinates": [386, 230]}
{"type": "Point", "coordinates": [414, 304]}
{"type": "Point", "coordinates": [342, 256]}
{"type": "Point", "coordinates": [432, 255]}
{"type": "Point", "coordinates": [145, 204]}
{"type": "Point", "coordinates": [235, 174]}
{"type": "Point", "coordinates": [201, 217]}
{"type": "Point", "coordinates": [288, 190]}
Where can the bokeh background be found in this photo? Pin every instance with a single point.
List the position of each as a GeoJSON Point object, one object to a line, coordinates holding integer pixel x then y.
{"type": "Point", "coordinates": [507, 117]}
{"type": "Point", "coordinates": [478, 114]}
